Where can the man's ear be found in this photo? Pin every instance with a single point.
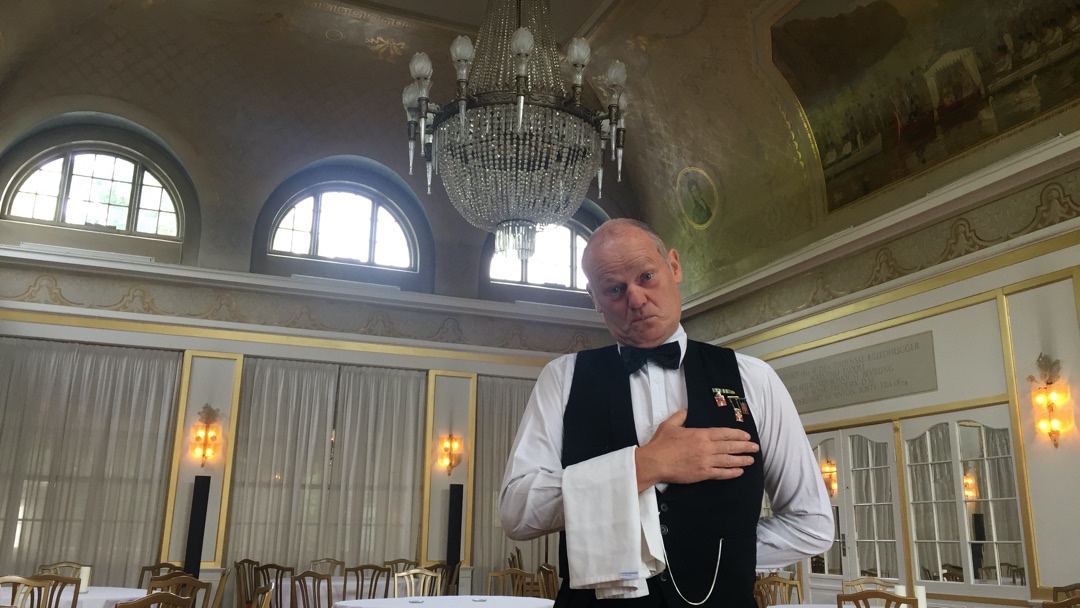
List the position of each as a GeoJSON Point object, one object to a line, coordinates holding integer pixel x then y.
{"type": "Point", "coordinates": [596, 307]}
{"type": "Point", "coordinates": [676, 269]}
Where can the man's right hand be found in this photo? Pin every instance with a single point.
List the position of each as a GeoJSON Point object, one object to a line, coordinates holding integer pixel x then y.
{"type": "Point", "coordinates": [677, 454]}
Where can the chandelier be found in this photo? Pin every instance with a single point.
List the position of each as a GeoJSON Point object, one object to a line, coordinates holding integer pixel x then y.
{"type": "Point", "coordinates": [513, 149]}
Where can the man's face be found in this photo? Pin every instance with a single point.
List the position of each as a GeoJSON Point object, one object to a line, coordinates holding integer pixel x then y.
{"type": "Point", "coordinates": [634, 286]}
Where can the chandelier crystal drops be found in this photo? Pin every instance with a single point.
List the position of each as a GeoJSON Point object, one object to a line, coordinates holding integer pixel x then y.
{"type": "Point", "coordinates": [514, 150]}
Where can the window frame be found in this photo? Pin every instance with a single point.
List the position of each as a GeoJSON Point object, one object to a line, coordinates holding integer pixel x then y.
{"type": "Point", "coordinates": [371, 180]}
{"type": "Point", "coordinates": [66, 153]}
{"type": "Point", "coordinates": [111, 135]}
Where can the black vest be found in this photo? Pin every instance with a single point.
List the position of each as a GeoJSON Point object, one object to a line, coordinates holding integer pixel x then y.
{"type": "Point", "coordinates": [599, 419]}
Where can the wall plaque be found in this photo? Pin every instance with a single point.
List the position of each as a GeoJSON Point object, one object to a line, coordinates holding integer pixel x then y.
{"type": "Point", "coordinates": [898, 367]}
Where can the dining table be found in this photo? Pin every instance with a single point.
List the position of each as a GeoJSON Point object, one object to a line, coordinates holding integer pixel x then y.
{"type": "Point", "coordinates": [337, 589]}
{"type": "Point", "coordinates": [450, 601]}
{"type": "Point", "coordinates": [99, 597]}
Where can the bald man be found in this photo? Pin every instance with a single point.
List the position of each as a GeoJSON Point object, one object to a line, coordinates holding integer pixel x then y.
{"type": "Point", "coordinates": [708, 431]}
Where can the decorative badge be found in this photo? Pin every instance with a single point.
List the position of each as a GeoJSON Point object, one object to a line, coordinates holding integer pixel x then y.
{"type": "Point", "coordinates": [718, 394]}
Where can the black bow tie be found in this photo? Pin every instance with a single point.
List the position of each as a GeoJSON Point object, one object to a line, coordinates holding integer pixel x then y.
{"type": "Point", "coordinates": [665, 355]}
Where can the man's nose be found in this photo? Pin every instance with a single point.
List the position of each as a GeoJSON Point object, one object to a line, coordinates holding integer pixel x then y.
{"type": "Point", "coordinates": [635, 296]}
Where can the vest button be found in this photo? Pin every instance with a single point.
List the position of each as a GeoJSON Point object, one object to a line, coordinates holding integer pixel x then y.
{"type": "Point", "coordinates": [663, 529]}
{"type": "Point", "coordinates": [663, 507]}
{"type": "Point", "coordinates": [663, 576]}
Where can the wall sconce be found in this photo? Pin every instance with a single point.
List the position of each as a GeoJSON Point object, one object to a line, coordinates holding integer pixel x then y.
{"type": "Point", "coordinates": [206, 435]}
{"type": "Point", "coordinates": [828, 473]}
{"type": "Point", "coordinates": [1049, 394]}
{"type": "Point", "coordinates": [450, 446]}
{"type": "Point", "coordinates": [971, 489]}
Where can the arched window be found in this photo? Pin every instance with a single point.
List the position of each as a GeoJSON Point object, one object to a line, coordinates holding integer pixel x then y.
{"type": "Point", "coordinates": [553, 274]}
{"type": "Point", "coordinates": [342, 223]}
{"type": "Point", "coordinates": [345, 218]}
{"type": "Point", "coordinates": [111, 188]}
{"type": "Point", "coordinates": [96, 187]}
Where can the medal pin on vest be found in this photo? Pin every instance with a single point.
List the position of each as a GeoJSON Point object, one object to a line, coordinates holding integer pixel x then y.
{"type": "Point", "coordinates": [724, 396]}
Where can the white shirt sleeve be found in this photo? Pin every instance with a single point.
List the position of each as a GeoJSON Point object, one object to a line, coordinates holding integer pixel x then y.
{"type": "Point", "coordinates": [802, 523]}
{"type": "Point", "coordinates": [530, 504]}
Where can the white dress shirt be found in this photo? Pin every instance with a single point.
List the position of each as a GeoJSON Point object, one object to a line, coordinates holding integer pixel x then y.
{"type": "Point", "coordinates": [801, 525]}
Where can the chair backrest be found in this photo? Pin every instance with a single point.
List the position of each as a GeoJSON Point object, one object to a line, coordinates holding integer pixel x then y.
{"type": "Point", "coordinates": [162, 599]}
{"type": "Point", "coordinates": [57, 585]}
{"type": "Point", "coordinates": [450, 582]}
{"type": "Point", "coordinates": [261, 596]}
{"type": "Point", "coordinates": [549, 581]}
{"type": "Point", "coordinates": [219, 593]}
{"type": "Point", "coordinates": [246, 582]}
{"type": "Point", "coordinates": [164, 577]}
{"type": "Point", "coordinates": [327, 565]}
{"type": "Point", "coordinates": [873, 598]}
{"type": "Point", "coordinates": [23, 592]}
{"type": "Point", "coordinates": [1069, 602]}
{"type": "Point", "coordinates": [365, 581]}
{"type": "Point", "coordinates": [1063, 593]}
{"type": "Point", "coordinates": [868, 583]}
{"type": "Point", "coordinates": [312, 589]}
{"type": "Point", "coordinates": [183, 585]}
{"type": "Point", "coordinates": [68, 569]}
{"type": "Point", "coordinates": [510, 581]}
{"type": "Point", "coordinates": [401, 565]}
{"type": "Point", "coordinates": [148, 572]}
{"type": "Point", "coordinates": [417, 582]}
{"type": "Point", "coordinates": [281, 576]}
{"type": "Point", "coordinates": [513, 561]}
{"type": "Point", "coordinates": [952, 572]}
{"type": "Point", "coordinates": [775, 589]}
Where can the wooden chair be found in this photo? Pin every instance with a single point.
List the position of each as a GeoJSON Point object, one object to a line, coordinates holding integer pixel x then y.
{"type": "Point", "coordinates": [246, 582]}
{"type": "Point", "coordinates": [57, 586]}
{"type": "Point", "coordinates": [401, 565]}
{"type": "Point", "coordinates": [443, 570]}
{"type": "Point", "coordinates": [1069, 602]}
{"type": "Point", "coordinates": [219, 593]}
{"type": "Point", "coordinates": [164, 577]}
{"type": "Point", "coordinates": [952, 573]}
{"type": "Point", "coordinates": [868, 583]}
{"type": "Point", "coordinates": [312, 589]}
{"type": "Point", "coordinates": [260, 597]}
{"type": "Point", "coordinates": [161, 599]}
{"type": "Point", "coordinates": [450, 582]}
{"type": "Point", "coordinates": [875, 599]}
{"type": "Point", "coordinates": [510, 581]}
{"type": "Point", "coordinates": [22, 592]}
{"type": "Point", "coordinates": [148, 572]}
{"type": "Point", "coordinates": [549, 581]}
{"type": "Point", "coordinates": [418, 582]}
{"type": "Point", "coordinates": [183, 585]}
{"type": "Point", "coordinates": [366, 579]}
{"type": "Point", "coordinates": [775, 589]}
{"type": "Point", "coordinates": [69, 569]}
{"type": "Point", "coordinates": [280, 576]}
{"type": "Point", "coordinates": [327, 565]}
{"type": "Point", "coordinates": [1064, 593]}
{"type": "Point", "coordinates": [1018, 574]}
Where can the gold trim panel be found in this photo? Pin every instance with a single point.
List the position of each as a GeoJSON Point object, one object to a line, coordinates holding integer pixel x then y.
{"type": "Point", "coordinates": [896, 417]}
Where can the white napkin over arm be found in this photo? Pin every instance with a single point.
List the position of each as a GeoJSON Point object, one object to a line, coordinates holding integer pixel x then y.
{"type": "Point", "coordinates": [613, 540]}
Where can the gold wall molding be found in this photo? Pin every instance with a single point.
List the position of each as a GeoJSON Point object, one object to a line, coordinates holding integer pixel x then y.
{"type": "Point", "coordinates": [993, 223]}
{"type": "Point", "coordinates": [160, 299]}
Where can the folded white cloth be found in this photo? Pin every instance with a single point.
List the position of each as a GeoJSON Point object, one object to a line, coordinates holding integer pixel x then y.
{"type": "Point", "coordinates": [613, 539]}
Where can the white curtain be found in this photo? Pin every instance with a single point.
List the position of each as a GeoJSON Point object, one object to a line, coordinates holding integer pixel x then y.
{"type": "Point", "coordinates": [328, 463]}
{"type": "Point", "coordinates": [500, 404]}
{"type": "Point", "coordinates": [85, 436]}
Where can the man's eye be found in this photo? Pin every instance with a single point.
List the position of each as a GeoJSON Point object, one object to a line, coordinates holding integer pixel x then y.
{"type": "Point", "coordinates": [614, 289]}
{"type": "Point", "coordinates": [647, 276]}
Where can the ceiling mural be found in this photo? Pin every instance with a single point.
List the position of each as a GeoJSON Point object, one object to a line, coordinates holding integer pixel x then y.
{"type": "Point", "coordinates": [894, 87]}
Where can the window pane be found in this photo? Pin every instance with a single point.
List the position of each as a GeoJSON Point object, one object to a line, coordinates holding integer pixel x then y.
{"type": "Point", "coordinates": [550, 264]}
{"type": "Point", "coordinates": [505, 267]}
{"type": "Point", "coordinates": [1006, 519]}
{"type": "Point", "coordinates": [344, 226]}
{"type": "Point", "coordinates": [100, 191]}
{"type": "Point", "coordinates": [579, 249]}
{"type": "Point", "coordinates": [147, 221]}
{"type": "Point", "coordinates": [168, 224]}
{"type": "Point", "coordinates": [924, 521]}
{"type": "Point", "coordinates": [37, 196]}
{"type": "Point", "coordinates": [154, 198]}
{"type": "Point", "coordinates": [929, 564]}
{"type": "Point", "coordinates": [920, 482]}
{"type": "Point", "coordinates": [294, 230]}
{"type": "Point", "coordinates": [391, 245]}
{"type": "Point", "coordinates": [883, 517]}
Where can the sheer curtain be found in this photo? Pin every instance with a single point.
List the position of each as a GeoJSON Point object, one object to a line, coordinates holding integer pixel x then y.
{"type": "Point", "coordinates": [85, 436]}
{"type": "Point", "coordinates": [500, 404]}
{"type": "Point", "coordinates": [328, 463]}
{"type": "Point", "coordinates": [377, 475]}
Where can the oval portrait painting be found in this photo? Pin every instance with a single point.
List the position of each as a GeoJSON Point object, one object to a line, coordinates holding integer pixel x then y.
{"type": "Point", "coordinates": [696, 195]}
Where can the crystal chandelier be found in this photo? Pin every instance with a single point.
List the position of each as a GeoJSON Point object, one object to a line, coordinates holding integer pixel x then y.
{"type": "Point", "coordinates": [514, 150]}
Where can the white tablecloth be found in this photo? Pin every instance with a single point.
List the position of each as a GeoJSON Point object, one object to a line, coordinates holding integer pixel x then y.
{"type": "Point", "coordinates": [451, 601]}
{"type": "Point", "coordinates": [804, 606]}
{"type": "Point", "coordinates": [337, 588]}
{"type": "Point", "coordinates": [101, 597]}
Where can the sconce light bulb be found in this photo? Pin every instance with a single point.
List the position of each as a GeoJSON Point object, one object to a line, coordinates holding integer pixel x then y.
{"type": "Point", "coordinates": [456, 446]}
{"type": "Point", "coordinates": [1055, 424]}
{"type": "Point", "coordinates": [1053, 397]}
{"type": "Point", "coordinates": [198, 452]}
{"type": "Point", "coordinates": [1040, 399]}
{"type": "Point", "coordinates": [200, 434]}
{"type": "Point", "coordinates": [209, 452]}
{"type": "Point", "coordinates": [1043, 425]}
{"type": "Point", "coordinates": [212, 436]}
{"type": "Point", "coordinates": [446, 444]}
{"type": "Point", "coordinates": [834, 485]}
{"type": "Point", "coordinates": [444, 461]}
